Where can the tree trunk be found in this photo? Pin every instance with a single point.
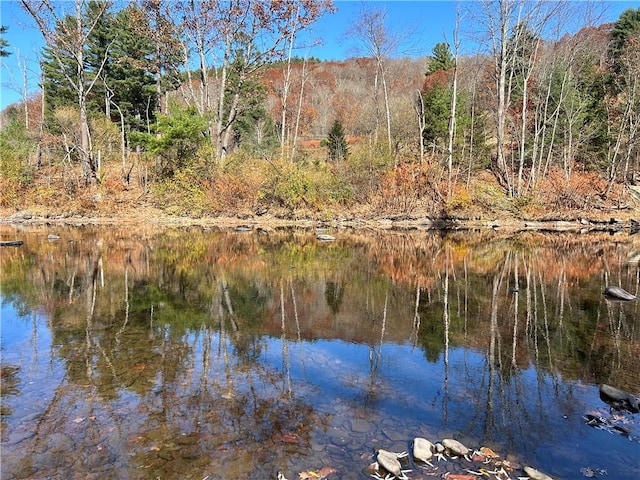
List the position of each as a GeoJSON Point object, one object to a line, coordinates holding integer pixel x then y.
{"type": "Point", "coordinates": [296, 130]}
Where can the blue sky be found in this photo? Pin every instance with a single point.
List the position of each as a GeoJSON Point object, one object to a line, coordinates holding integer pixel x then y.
{"type": "Point", "coordinates": [422, 23]}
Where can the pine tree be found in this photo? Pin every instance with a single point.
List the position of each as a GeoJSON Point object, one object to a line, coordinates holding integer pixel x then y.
{"type": "Point", "coordinates": [3, 43]}
{"type": "Point", "coordinates": [337, 142]}
{"type": "Point", "coordinates": [131, 83]}
{"type": "Point", "coordinates": [441, 58]}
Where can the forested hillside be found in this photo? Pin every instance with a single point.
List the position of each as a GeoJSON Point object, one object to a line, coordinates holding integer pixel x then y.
{"type": "Point", "coordinates": [206, 108]}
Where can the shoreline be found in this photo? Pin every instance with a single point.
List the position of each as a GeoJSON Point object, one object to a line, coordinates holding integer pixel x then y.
{"type": "Point", "coordinates": [579, 224]}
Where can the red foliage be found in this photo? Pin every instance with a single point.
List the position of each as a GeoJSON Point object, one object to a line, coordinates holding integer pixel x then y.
{"type": "Point", "coordinates": [439, 79]}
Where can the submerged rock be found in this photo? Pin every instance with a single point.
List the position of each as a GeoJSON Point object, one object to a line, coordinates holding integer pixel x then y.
{"type": "Point", "coordinates": [536, 474]}
{"type": "Point", "coordinates": [423, 449]}
{"type": "Point", "coordinates": [455, 446]}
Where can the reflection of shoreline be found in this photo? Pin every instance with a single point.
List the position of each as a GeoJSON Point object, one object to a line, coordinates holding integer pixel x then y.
{"type": "Point", "coordinates": [217, 337]}
{"type": "Point", "coordinates": [558, 290]}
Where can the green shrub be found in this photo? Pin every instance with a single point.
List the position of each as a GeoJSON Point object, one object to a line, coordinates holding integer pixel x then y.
{"type": "Point", "coordinates": [175, 140]}
{"type": "Point", "coordinates": [312, 185]}
{"type": "Point", "coordinates": [17, 147]}
{"type": "Point", "coordinates": [182, 194]}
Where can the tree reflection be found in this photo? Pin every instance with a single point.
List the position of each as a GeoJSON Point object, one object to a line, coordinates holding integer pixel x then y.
{"type": "Point", "coordinates": [168, 339]}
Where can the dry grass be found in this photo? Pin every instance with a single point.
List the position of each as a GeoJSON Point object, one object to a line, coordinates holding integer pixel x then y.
{"type": "Point", "coordinates": [410, 191]}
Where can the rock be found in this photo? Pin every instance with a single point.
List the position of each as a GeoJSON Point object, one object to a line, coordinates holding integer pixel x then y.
{"type": "Point", "coordinates": [389, 461]}
{"type": "Point", "coordinates": [619, 398]}
{"type": "Point", "coordinates": [360, 426]}
{"type": "Point", "coordinates": [423, 449]}
{"type": "Point", "coordinates": [323, 237]}
{"type": "Point", "coordinates": [536, 474]}
{"type": "Point", "coordinates": [618, 293]}
{"type": "Point", "coordinates": [455, 446]}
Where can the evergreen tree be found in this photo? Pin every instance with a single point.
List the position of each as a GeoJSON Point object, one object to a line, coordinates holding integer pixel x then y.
{"type": "Point", "coordinates": [337, 142]}
{"type": "Point", "coordinates": [175, 139]}
{"type": "Point", "coordinates": [3, 43]}
{"type": "Point", "coordinates": [627, 24]}
{"type": "Point", "coordinates": [436, 95]}
{"type": "Point", "coordinates": [131, 86]}
{"type": "Point", "coordinates": [441, 58]}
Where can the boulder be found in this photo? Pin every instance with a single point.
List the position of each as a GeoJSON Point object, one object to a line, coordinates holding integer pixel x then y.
{"type": "Point", "coordinates": [455, 446]}
{"type": "Point", "coordinates": [389, 461]}
{"type": "Point", "coordinates": [323, 237]}
{"type": "Point", "coordinates": [423, 449]}
{"type": "Point", "coordinates": [619, 398]}
{"type": "Point", "coordinates": [618, 293]}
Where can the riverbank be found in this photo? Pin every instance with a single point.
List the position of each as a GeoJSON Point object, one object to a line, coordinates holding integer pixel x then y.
{"type": "Point", "coordinates": [579, 221]}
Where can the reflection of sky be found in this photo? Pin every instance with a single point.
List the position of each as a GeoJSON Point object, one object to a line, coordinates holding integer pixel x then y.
{"type": "Point", "coordinates": [531, 414]}
{"type": "Point", "coordinates": [19, 333]}
{"type": "Point", "coordinates": [26, 343]}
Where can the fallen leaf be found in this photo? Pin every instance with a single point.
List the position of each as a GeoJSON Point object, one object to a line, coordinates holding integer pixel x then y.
{"type": "Point", "coordinates": [326, 471]}
{"type": "Point", "coordinates": [487, 452]}
{"type": "Point", "coordinates": [459, 476]}
{"type": "Point", "coordinates": [78, 420]}
{"type": "Point", "coordinates": [319, 475]}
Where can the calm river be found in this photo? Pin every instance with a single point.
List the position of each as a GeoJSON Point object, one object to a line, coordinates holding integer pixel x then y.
{"type": "Point", "coordinates": [186, 353]}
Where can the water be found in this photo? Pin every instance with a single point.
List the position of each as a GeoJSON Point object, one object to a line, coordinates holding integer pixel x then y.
{"type": "Point", "coordinates": [191, 354]}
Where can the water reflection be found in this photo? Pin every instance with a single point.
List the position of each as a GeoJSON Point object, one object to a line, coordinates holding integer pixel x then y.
{"type": "Point", "coordinates": [185, 353]}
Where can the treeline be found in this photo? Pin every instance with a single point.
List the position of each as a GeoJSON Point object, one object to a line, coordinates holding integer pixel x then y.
{"type": "Point", "coordinates": [208, 106]}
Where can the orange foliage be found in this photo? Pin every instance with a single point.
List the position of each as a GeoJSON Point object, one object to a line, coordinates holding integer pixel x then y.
{"type": "Point", "coordinates": [231, 193]}
{"type": "Point", "coordinates": [402, 187]}
{"type": "Point", "coordinates": [580, 190]}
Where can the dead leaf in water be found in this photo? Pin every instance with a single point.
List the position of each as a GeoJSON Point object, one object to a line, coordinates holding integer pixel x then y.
{"type": "Point", "coordinates": [459, 476]}
{"type": "Point", "coordinates": [319, 475]}
{"type": "Point", "coordinates": [487, 452]}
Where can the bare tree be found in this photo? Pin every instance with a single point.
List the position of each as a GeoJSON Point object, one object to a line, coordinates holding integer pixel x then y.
{"type": "Point", "coordinates": [512, 29]}
{"type": "Point", "coordinates": [454, 101]}
{"type": "Point", "coordinates": [239, 37]}
{"type": "Point", "coordinates": [378, 42]}
{"type": "Point", "coordinates": [66, 31]}
{"type": "Point", "coordinates": [418, 106]}
{"type": "Point", "coordinates": [626, 148]}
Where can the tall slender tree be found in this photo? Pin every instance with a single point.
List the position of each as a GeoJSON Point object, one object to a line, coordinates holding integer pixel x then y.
{"type": "Point", "coordinates": [66, 36]}
{"type": "Point", "coordinates": [377, 41]}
